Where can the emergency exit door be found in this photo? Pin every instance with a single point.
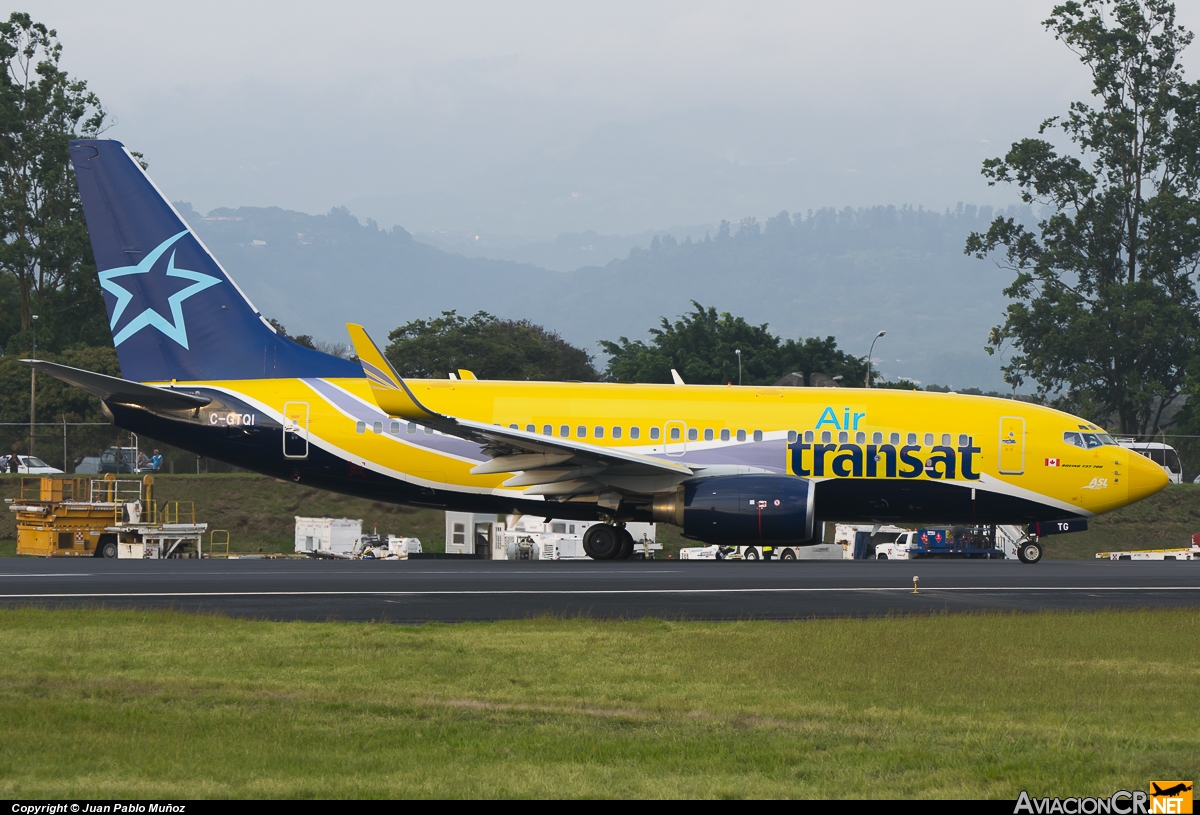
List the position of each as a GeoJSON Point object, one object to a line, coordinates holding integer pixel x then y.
{"type": "Point", "coordinates": [295, 430]}
{"type": "Point", "coordinates": [1012, 445]}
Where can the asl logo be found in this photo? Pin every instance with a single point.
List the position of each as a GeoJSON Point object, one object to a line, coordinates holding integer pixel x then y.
{"type": "Point", "coordinates": [1170, 797]}
{"type": "Point", "coordinates": [1096, 484]}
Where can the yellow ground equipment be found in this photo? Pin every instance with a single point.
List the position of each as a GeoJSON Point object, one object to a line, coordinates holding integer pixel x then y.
{"type": "Point", "coordinates": [108, 517]}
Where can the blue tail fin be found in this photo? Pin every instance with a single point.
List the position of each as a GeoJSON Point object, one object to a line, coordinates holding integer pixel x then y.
{"type": "Point", "coordinates": [173, 311]}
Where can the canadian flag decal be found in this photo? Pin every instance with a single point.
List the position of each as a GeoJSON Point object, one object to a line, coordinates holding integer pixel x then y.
{"type": "Point", "coordinates": [1051, 462]}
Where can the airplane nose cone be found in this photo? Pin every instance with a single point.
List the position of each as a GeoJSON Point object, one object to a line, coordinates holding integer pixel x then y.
{"type": "Point", "coordinates": [1145, 477]}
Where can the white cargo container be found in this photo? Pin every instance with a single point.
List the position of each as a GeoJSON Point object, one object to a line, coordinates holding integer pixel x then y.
{"type": "Point", "coordinates": [336, 535]}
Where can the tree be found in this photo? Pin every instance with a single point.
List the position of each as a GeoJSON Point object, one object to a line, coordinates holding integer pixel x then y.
{"type": "Point", "coordinates": [1104, 309]}
{"type": "Point", "coordinates": [45, 253]}
{"type": "Point", "coordinates": [701, 346]}
{"type": "Point", "coordinates": [490, 347]}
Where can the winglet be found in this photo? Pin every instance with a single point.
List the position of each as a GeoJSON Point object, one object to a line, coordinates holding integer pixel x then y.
{"type": "Point", "coordinates": [390, 392]}
{"type": "Point", "coordinates": [676, 377]}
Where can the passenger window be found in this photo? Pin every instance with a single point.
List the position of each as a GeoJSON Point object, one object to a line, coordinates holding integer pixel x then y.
{"type": "Point", "coordinates": [635, 432]}
{"type": "Point", "coordinates": [860, 437]}
{"type": "Point", "coordinates": [692, 434]}
{"type": "Point", "coordinates": [808, 436]}
{"type": "Point", "coordinates": [654, 433]}
{"type": "Point", "coordinates": [741, 435]}
{"type": "Point", "coordinates": [708, 434]}
{"type": "Point", "coordinates": [599, 432]}
{"type": "Point", "coordinates": [725, 435]}
{"type": "Point", "coordinates": [929, 440]}
{"type": "Point", "coordinates": [674, 434]}
{"type": "Point", "coordinates": [512, 427]}
{"type": "Point", "coordinates": [530, 428]}
{"type": "Point", "coordinates": [791, 437]}
{"type": "Point", "coordinates": [963, 440]}
{"type": "Point", "coordinates": [894, 438]}
{"type": "Point", "coordinates": [616, 433]}
{"type": "Point", "coordinates": [361, 427]}
{"type": "Point", "coordinates": [877, 438]}
{"type": "Point", "coordinates": [946, 440]}
{"type": "Point", "coordinates": [412, 428]}
{"type": "Point", "coordinates": [565, 432]}
{"type": "Point", "coordinates": [547, 430]}
{"type": "Point", "coordinates": [912, 438]}
{"type": "Point", "coordinates": [394, 428]}
{"type": "Point", "coordinates": [758, 435]}
{"type": "Point", "coordinates": [843, 437]}
{"type": "Point", "coordinates": [826, 437]}
{"type": "Point", "coordinates": [377, 427]}
{"type": "Point", "coordinates": [429, 431]}
{"type": "Point", "coordinates": [581, 432]}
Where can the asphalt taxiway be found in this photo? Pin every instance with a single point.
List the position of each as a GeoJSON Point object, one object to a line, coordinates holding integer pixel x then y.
{"type": "Point", "coordinates": [441, 590]}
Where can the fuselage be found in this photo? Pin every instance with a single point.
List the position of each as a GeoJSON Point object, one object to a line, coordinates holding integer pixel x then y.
{"type": "Point", "coordinates": [872, 455]}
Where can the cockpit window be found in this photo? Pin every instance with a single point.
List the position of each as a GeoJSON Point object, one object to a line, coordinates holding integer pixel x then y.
{"type": "Point", "coordinates": [1087, 441]}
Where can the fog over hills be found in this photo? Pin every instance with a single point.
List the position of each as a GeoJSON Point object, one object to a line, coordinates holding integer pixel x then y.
{"type": "Point", "coordinates": [848, 273]}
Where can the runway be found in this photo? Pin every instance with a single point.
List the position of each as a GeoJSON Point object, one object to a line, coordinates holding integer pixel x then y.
{"type": "Point", "coordinates": [452, 591]}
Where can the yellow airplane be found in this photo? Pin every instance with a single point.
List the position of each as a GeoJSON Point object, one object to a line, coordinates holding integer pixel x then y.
{"type": "Point", "coordinates": [205, 371]}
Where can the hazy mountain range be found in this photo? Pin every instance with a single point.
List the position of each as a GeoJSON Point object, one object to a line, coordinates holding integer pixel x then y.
{"type": "Point", "coordinates": [848, 273]}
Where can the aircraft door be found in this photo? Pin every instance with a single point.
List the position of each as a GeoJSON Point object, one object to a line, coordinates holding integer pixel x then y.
{"type": "Point", "coordinates": [1012, 445]}
{"type": "Point", "coordinates": [295, 430]}
{"type": "Point", "coordinates": [483, 540]}
{"type": "Point", "coordinates": [675, 438]}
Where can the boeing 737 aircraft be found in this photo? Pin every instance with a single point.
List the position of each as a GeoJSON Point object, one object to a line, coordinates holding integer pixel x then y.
{"type": "Point", "coordinates": [203, 369]}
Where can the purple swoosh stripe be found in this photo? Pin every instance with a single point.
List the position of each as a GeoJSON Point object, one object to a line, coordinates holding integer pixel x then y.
{"type": "Point", "coordinates": [450, 445]}
{"type": "Point", "coordinates": [768, 455]}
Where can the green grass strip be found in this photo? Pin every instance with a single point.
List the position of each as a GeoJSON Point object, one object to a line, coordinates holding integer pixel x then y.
{"type": "Point", "coordinates": [156, 704]}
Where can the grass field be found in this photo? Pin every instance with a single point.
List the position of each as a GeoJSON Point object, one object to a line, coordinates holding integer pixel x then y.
{"type": "Point", "coordinates": [259, 511]}
{"type": "Point", "coordinates": [110, 704]}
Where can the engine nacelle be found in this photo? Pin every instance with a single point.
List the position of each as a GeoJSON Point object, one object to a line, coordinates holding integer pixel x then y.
{"type": "Point", "coordinates": [741, 509]}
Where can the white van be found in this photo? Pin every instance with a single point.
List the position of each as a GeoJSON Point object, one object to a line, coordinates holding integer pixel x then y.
{"type": "Point", "coordinates": [1163, 455]}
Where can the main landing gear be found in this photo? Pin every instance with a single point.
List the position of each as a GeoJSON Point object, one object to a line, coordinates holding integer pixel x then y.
{"type": "Point", "coordinates": [608, 542]}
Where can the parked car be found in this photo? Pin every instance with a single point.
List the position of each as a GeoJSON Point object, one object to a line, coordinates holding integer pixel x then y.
{"type": "Point", "coordinates": [119, 460]}
{"type": "Point", "coordinates": [33, 465]}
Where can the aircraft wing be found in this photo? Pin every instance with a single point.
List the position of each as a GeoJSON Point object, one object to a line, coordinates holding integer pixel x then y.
{"type": "Point", "coordinates": [545, 464]}
{"type": "Point", "coordinates": [121, 391]}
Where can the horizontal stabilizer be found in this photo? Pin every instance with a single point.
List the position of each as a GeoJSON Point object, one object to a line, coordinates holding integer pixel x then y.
{"type": "Point", "coordinates": [121, 391]}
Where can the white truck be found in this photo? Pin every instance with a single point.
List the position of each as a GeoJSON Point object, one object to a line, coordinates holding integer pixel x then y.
{"type": "Point", "coordinates": [820, 551]}
{"type": "Point", "coordinates": [1007, 542]}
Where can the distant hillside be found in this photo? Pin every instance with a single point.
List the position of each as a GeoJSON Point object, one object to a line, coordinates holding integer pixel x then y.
{"type": "Point", "coordinates": [566, 253]}
{"type": "Point", "coordinates": [847, 273]}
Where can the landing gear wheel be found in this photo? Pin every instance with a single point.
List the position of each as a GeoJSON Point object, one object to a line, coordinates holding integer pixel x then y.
{"type": "Point", "coordinates": [626, 550]}
{"type": "Point", "coordinates": [1029, 552]}
{"type": "Point", "coordinates": [751, 553]}
{"type": "Point", "coordinates": [788, 554]}
{"type": "Point", "coordinates": [602, 542]}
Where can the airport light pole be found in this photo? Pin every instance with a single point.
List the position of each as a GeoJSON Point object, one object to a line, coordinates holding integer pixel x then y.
{"type": "Point", "coordinates": [32, 383]}
{"type": "Point", "coordinates": [738, 351]}
{"type": "Point", "coordinates": [869, 353]}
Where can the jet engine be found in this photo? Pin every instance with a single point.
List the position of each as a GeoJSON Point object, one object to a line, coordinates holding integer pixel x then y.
{"type": "Point", "coordinates": [741, 509]}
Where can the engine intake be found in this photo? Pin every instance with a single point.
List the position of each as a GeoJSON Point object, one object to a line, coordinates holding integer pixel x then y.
{"type": "Point", "coordinates": [740, 508]}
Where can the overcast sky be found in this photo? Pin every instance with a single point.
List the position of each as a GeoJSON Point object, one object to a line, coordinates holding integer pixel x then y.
{"type": "Point", "coordinates": [535, 118]}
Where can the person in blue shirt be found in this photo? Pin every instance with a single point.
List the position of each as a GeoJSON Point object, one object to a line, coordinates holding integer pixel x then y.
{"type": "Point", "coordinates": [156, 461]}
